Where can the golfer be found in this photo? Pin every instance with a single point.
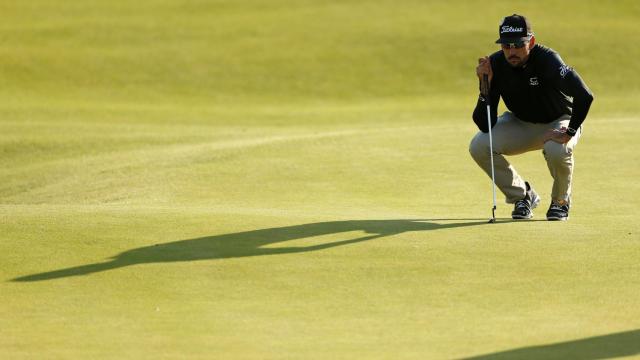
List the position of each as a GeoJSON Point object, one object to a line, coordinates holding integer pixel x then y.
{"type": "Point", "coordinates": [547, 103]}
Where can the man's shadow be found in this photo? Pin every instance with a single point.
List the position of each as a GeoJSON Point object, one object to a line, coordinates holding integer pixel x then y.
{"type": "Point", "coordinates": [252, 243]}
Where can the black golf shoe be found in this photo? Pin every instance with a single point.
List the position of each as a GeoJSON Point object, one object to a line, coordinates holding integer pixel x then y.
{"type": "Point", "coordinates": [558, 211]}
{"type": "Point", "coordinates": [523, 207]}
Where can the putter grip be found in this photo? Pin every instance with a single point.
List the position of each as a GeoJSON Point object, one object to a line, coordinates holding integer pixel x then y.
{"type": "Point", "coordinates": [484, 86]}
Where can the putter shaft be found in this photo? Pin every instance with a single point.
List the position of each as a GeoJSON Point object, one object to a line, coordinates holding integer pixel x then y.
{"type": "Point", "coordinates": [485, 90]}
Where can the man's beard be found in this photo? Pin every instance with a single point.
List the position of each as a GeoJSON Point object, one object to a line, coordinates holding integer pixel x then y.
{"type": "Point", "coordinates": [519, 60]}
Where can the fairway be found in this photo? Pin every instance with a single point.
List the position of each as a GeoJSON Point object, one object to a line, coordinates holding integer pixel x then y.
{"type": "Point", "coordinates": [289, 179]}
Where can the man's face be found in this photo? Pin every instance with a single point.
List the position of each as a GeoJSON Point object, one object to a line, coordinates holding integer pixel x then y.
{"type": "Point", "coordinates": [516, 54]}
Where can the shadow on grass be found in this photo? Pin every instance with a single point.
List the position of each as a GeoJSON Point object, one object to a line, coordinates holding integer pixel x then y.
{"type": "Point", "coordinates": [252, 243]}
{"type": "Point", "coordinates": [610, 346]}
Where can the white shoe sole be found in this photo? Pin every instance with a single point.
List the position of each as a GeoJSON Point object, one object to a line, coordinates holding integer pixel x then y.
{"type": "Point", "coordinates": [551, 218]}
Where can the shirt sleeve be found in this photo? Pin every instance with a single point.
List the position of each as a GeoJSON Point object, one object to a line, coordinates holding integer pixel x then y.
{"type": "Point", "coordinates": [480, 112]}
{"type": "Point", "coordinates": [567, 80]}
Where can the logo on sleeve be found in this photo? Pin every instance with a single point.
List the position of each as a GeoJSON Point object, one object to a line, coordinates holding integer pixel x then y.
{"type": "Point", "coordinates": [564, 70]}
{"type": "Point", "coordinates": [534, 81]}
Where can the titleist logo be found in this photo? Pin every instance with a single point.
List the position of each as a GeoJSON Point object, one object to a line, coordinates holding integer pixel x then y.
{"type": "Point", "coordinates": [510, 29]}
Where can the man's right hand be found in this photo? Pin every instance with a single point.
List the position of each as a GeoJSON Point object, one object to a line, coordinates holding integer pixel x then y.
{"type": "Point", "coordinates": [484, 67]}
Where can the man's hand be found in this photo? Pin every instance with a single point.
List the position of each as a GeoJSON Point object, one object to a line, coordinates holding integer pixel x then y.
{"type": "Point", "coordinates": [484, 67]}
{"type": "Point", "coordinates": [558, 135]}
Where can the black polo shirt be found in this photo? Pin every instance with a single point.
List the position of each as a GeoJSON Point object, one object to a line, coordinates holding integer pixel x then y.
{"type": "Point", "coordinates": [541, 91]}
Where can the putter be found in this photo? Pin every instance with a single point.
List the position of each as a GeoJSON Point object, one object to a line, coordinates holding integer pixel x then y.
{"type": "Point", "coordinates": [485, 93]}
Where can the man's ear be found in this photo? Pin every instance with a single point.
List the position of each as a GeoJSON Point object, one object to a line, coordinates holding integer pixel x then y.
{"type": "Point", "coordinates": [532, 41]}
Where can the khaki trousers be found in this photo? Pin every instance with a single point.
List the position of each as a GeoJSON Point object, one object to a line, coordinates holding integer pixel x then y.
{"type": "Point", "coordinates": [512, 136]}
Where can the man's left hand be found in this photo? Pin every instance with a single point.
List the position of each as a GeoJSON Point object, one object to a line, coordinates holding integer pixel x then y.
{"type": "Point", "coordinates": [558, 135]}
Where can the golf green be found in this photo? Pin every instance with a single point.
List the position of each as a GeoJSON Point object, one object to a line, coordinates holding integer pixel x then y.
{"type": "Point", "coordinates": [291, 180]}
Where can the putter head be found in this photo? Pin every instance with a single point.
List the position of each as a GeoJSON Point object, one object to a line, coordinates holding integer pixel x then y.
{"type": "Point", "coordinates": [492, 221]}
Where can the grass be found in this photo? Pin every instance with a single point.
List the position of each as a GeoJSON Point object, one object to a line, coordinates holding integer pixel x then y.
{"type": "Point", "coordinates": [290, 179]}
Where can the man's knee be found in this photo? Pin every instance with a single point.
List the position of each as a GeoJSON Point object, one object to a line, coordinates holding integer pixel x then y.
{"type": "Point", "coordinates": [479, 146]}
{"type": "Point", "coordinates": [556, 152]}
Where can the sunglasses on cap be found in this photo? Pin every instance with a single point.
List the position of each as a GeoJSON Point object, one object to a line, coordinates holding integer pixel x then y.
{"type": "Point", "coordinates": [518, 45]}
